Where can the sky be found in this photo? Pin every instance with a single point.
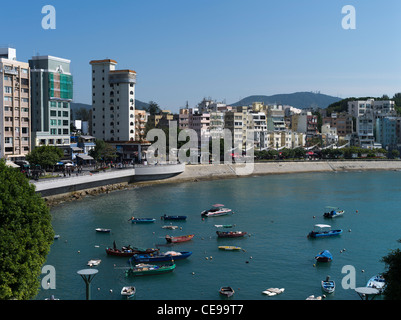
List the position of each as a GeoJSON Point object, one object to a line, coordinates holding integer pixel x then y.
{"type": "Point", "coordinates": [186, 50]}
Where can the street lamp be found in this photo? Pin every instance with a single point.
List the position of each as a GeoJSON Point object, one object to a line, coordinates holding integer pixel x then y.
{"type": "Point", "coordinates": [88, 275]}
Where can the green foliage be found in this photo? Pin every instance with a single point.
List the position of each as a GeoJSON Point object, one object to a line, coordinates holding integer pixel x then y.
{"type": "Point", "coordinates": [392, 275]}
{"type": "Point", "coordinates": [45, 156]}
{"type": "Point", "coordinates": [103, 151]}
{"type": "Point", "coordinates": [25, 235]}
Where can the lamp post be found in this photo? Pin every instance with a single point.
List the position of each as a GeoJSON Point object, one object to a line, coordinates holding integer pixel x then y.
{"type": "Point", "coordinates": [87, 275]}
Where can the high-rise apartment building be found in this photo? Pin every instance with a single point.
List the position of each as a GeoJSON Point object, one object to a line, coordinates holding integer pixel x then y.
{"type": "Point", "coordinates": [113, 101]}
{"type": "Point", "coordinates": [15, 104]}
{"type": "Point", "coordinates": [51, 95]}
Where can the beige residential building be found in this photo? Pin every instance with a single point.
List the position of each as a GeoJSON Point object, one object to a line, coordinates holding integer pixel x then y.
{"type": "Point", "coordinates": [15, 106]}
{"type": "Point", "coordinates": [140, 124]}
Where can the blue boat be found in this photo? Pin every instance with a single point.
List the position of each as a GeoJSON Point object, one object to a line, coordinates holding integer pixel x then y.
{"type": "Point", "coordinates": [166, 217]}
{"type": "Point", "coordinates": [322, 232]}
{"type": "Point", "coordinates": [328, 285]}
{"type": "Point", "coordinates": [158, 257]}
{"type": "Point", "coordinates": [333, 212]}
{"type": "Point", "coordinates": [142, 220]}
{"type": "Point", "coordinates": [324, 256]}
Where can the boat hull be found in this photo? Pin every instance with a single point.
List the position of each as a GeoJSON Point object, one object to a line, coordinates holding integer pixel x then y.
{"type": "Point", "coordinates": [320, 234]}
{"type": "Point", "coordinates": [143, 220]}
{"type": "Point", "coordinates": [149, 270]}
{"type": "Point", "coordinates": [173, 217]}
{"type": "Point", "coordinates": [230, 234]}
{"type": "Point", "coordinates": [178, 239]}
{"type": "Point", "coordinates": [123, 253]}
{"type": "Point", "coordinates": [160, 257]}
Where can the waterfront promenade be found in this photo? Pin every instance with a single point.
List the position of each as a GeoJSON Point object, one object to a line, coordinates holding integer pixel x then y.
{"type": "Point", "coordinates": [141, 175]}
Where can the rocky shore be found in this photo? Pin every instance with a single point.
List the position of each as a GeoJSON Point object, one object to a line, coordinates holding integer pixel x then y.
{"type": "Point", "coordinates": [204, 172]}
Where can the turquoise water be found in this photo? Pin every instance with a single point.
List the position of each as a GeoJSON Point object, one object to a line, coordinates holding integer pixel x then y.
{"type": "Point", "coordinates": [277, 211]}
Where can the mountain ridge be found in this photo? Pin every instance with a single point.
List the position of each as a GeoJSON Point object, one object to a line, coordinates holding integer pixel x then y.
{"type": "Point", "coordinates": [301, 100]}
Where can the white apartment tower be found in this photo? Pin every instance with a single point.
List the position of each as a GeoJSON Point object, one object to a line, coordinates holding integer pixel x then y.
{"type": "Point", "coordinates": [113, 101]}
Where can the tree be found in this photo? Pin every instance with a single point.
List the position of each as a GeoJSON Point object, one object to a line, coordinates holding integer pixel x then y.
{"type": "Point", "coordinates": [153, 108]}
{"type": "Point", "coordinates": [45, 156]}
{"type": "Point", "coordinates": [392, 262]}
{"type": "Point", "coordinates": [26, 234]}
{"type": "Point", "coordinates": [103, 151]}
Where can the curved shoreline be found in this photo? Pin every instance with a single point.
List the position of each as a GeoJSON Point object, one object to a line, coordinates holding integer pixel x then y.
{"type": "Point", "coordinates": [205, 172]}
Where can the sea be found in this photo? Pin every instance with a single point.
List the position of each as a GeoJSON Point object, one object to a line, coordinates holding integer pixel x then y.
{"type": "Point", "coordinates": [276, 211]}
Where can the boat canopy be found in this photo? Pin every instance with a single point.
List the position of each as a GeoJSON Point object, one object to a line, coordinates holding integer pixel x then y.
{"type": "Point", "coordinates": [322, 226]}
{"type": "Point", "coordinates": [325, 254]}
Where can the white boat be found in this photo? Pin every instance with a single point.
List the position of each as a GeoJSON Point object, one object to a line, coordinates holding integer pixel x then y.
{"type": "Point", "coordinates": [377, 282]}
{"type": "Point", "coordinates": [333, 212]}
{"type": "Point", "coordinates": [273, 291]}
{"type": "Point", "coordinates": [103, 230]}
{"type": "Point", "coordinates": [312, 297]}
{"type": "Point", "coordinates": [328, 285]}
{"type": "Point", "coordinates": [170, 227]}
{"type": "Point", "coordinates": [94, 262]}
{"type": "Point", "coordinates": [216, 210]}
{"type": "Point", "coordinates": [128, 291]}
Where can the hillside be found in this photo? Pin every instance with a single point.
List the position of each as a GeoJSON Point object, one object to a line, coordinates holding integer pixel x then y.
{"type": "Point", "coordinates": [299, 100]}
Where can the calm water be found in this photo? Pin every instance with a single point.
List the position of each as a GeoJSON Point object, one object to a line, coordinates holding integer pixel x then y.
{"type": "Point", "coordinates": [277, 211]}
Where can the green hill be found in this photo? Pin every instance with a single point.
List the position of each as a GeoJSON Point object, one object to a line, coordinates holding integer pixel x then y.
{"type": "Point", "coordinates": [301, 100]}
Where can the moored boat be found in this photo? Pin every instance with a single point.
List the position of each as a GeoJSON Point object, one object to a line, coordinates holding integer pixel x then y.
{"type": "Point", "coordinates": [142, 220]}
{"type": "Point", "coordinates": [177, 239]}
{"type": "Point", "coordinates": [216, 210]}
{"type": "Point", "coordinates": [328, 285]}
{"type": "Point", "coordinates": [229, 248]}
{"type": "Point", "coordinates": [128, 251]}
{"type": "Point", "coordinates": [158, 257]}
{"type": "Point", "coordinates": [377, 282]}
{"type": "Point", "coordinates": [273, 291]}
{"type": "Point", "coordinates": [324, 256]}
{"type": "Point", "coordinates": [323, 231]}
{"type": "Point", "coordinates": [103, 230]}
{"type": "Point", "coordinates": [224, 225]}
{"type": "Point", "coordinates": [166, 217]}
{"type": "Point", "coordinates": [230, 234]}
{"type": "Point", "coordinates": [227, 291]}
{"type": "Point", "coordinates": [171, 227]}
{"type": "Point", "coordinates": [128, 292]}
{"type": "Point", "coordinates": [333, 212]}
{"type": "Point", "coordinates": [148, 269]}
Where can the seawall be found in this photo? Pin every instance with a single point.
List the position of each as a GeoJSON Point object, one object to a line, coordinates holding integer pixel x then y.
{"type": "Point", "coordinates": [202, 172]}
{"type": "Point", "coordinates": [224, 171]}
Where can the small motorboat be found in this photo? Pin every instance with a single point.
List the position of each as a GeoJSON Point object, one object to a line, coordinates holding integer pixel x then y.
{"type": "Point", "coordinates": [323, 231]}
{"type": "Point", "coordinates": [324, 256]}
{"type": "Point", "coordinates": [333, 212]}
{"type": "Point", "coordinates": [128, 292]}
{"type": "Point", "coordinates": [103, 230]}
{"type": "Point", "coordinates": [56, 236]}
{"type": "Point", "coordinates": [377, 282]}
{"type": "Point", "coordinates": [142, 220]}
{"type": "Point", "coordinates": [328, 285]}
{"type": "Point", "coordinates": [159, 257]}
{"type": "Point", "coordinates": [227, 291]}
{"type": "Point", "coordinates": [148, 269]}
{"type": "Point", "coordinates": [128, 251]}
{"type": "Point", "coordinates": [170, 227]}
{"type": "Point", "coordinates": [177, 239]}
{"type": "Point", "coordinates": [216, 210]}
{"type": "Point", "coordinates": [273, 291]}
{"type": "Point", "coordinates": [94, 262]}
{"type": "Point", "coordinates": [230, 234]}
{"type": "Point", "coordinates": [166, 217]}
{"type": "Point", "coordinates": [229, 248]}
{"type": "Point", "coordinates": [224, 225]}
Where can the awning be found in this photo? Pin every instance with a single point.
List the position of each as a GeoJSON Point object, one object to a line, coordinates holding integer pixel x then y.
{"type": "Point", "coordinates": [84, 157]}
{"type": "Point", "coordinates": [11, 164]}
{"type": "Point", "coordinates": [76, 149]}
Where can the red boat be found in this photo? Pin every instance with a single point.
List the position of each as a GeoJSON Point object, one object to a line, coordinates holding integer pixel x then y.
{"type": "Point", "coordinates": [230, 234]}
{"type": "Point", "coordinates": [128, 251]}
{"type": "Point", "coordinates": [179, 238]}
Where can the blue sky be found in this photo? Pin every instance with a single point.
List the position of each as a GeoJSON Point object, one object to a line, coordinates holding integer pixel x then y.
{"type": "Point", "coordinates": [184, 50]}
